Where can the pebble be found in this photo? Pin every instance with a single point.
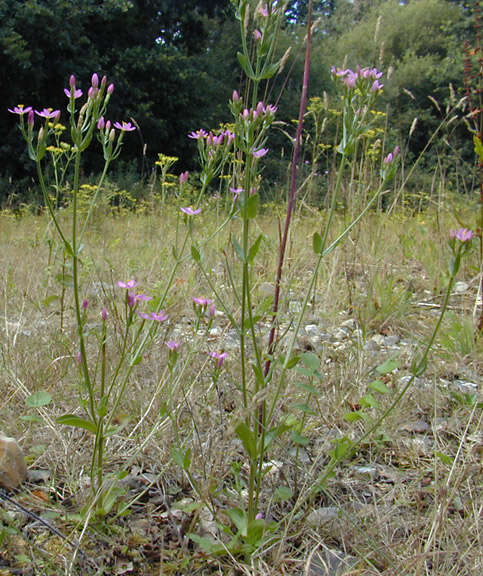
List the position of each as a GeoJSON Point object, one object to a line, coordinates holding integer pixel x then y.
{"type": "Point", "coordinates": [12, 463]}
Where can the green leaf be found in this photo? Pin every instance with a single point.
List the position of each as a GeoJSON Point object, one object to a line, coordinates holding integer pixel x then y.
{"type": "Point", "coordinates": [269, 71]}
{"type": "Point", "coordinates": [248, 439]}
{"type": "Point", "coordinates": [305, 408]}
{"type": "Point", "coordinates": [252, 206]}
{"type": "Point", "coordinates": [299, 439]}
{"type": "Point", "coordinates": [445, 459]}
{"type": "Point", "coordinates": [379, 386]}
{"type": "Point", "coordinates": [77, 422]}
{"type": "Point", "coordinates": [342, 448]}
{"type": "Point", "coordinates": [478, 146]}
{"type": "Point", "coordinates": [368, 401]}
{"type": "Point", "coordinates": [317, 243]}
{"type": "Point", "coordinates": [38, 399]}
{"type": "Point", "coordinates": [246, 65]}
{"type": "Point", "coordinates": [238, 249]}
{"type": "Point", "coordinates": [388, 366]}
{"type": "Point", "coordinates": [292, 362]}
{"type": "Point", "coordinates": [311, 361]}
{"type": "Point", "coordinates": [195, 253]}
{"type": "Point", "coordinates": [282, 493]}
{"type": "Point", "coordinates": [353, 416]}
{"type": "Point", "coordinates": [208, 545]}
{"type": "Point", "coordinates": [240, 519]}
{"type": "Point", "coordinates": [181, 458]}
{"type": "Point", "coordinates": [136, 360]}
{"type": "Point", "coordinates": [32, 418]}
{"type": "Point", "coordinates": [254, 249]}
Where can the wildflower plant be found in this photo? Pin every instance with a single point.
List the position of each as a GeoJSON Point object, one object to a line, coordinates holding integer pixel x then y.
{"type": "Point", "coordinates": [103, 385]}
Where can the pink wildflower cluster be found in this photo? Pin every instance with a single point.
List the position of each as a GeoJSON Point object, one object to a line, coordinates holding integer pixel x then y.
{"type": "Point", "coordinates": [260, 111]}
{"type": "Point", "coordinates": [225, 136]}
{"type": "Point", "coordinates": [351, 77]}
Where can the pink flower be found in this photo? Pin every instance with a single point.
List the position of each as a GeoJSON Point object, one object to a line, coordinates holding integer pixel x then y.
{"type": "Point", "coordinates": [173, 345]}
{"type": "Point", "coordinates": [462, 234]}
{"type": "Point", "coordinates": [20, 110]}
{"type": "Point", "coordinates": [198, 134]}
{"type": "Point", "coordinates": [260, 153]}
{"type": "Point", "coordinates": [133, 299]}
{"type": "Point", "coordinates": [262, 10]}
{"type": "Point", "coordinates": [257, 34]}
{"type": "Point", "coordinates": [236, 192]}
{"type": "Point", "coordinates": [85, 304]}
{"type": "Point", "coordinates": [124, 126]}
{"type": "Point", "coordinates": [104, 314]}
{"type": "Point", "coordinates": [203, 302]}
{"type": "Point", "coordinates": [159, 316]}
{"type": "Point", "coordinates": [110, 89]}
{"type": "Point", "coordinates": [128, 285]}
{"type": "Point", "coordinates": [235, 96]}
{"type": "Point", "coordinates": [392, 155]}
{"type": "Point", "coordinates": [73, 92]}
{"type": "Point", "coordinates": [183, 177]}
{"type": "Point", "coordinates": [190, 211]}
{"type": "Point", "coordinates": [48, 113]}
{"type": "Point", "coordinates": [219, 357]}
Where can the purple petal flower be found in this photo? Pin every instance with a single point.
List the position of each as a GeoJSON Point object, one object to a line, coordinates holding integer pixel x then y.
{"type": "Point", "coordinates": [128, 285]}
{"type": "Point", "coordinates": [73, 92]}
{"type": "Point", "coordinates": [159, 317]}
{"type": "Point", "coordinates": [198, 134]}
{"type": "Point", "coordinates": [262, 9]}
{"type": "Point", "coordinates": [257, 35]}
{"type": "Point", "coordinates": [462, 234]}
{"type": "Point", "coordinates": [133, 299]}
{"type": "Point", "coordinates": [219, 357]}
{"type": "Point", "coordinates": [144, 315]}
{"type": "Point", "coordinates": [183, 177]}
{"type": "Point", "coordinates": [124, 126]}
{"type": "Point", "coordinates": [236, 191]}
{"type": "Point", "coordinates": [203, 302]}
{"type": "Point", "coordinates": [47, 113]}
{"type": "Point", "coordinates": [20, 110]}
{"type": "Point", "coordinates": [260, 153]}
{"type": "Point", "coordinates": [376, 86]}
{"type": "Point", "coordinates": [190, 211]}
{"type": "Point", "coordinates": [173, 345]}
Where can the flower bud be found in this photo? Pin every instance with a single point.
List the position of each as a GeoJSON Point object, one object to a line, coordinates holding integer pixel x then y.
{"type": "Point", "coordinates": [103, 81]}
{"type": "Point", "coordinates": [112, 135]}
{"type": "Point", "coordinates": [104, 314]}
{"type": "Point", "coordinates": [30, 118]}
{"type": "Point", "coordinates": [183, 177]}
{"type": "Point", "coordinates": [235, 96]}
{"type": "Point", "coordinates": [72, 81]}
{"type": "Point", "coordinates": [110, 89]}
{"type": "Point", "coordinates": [85, 304]}
{"type": "Point", "coordinates": [101, 124]}
{"type": "Point", "coordinates": [108, 125]}
{"type": "Point", "coordinates": [95, 80]}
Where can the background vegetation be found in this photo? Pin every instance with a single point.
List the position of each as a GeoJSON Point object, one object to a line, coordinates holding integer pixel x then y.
{"type": "Point", "coordinates": [174, 66]}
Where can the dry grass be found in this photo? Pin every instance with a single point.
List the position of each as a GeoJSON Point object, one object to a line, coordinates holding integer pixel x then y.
{"type": "Point", "coordinates": [408, 503]}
